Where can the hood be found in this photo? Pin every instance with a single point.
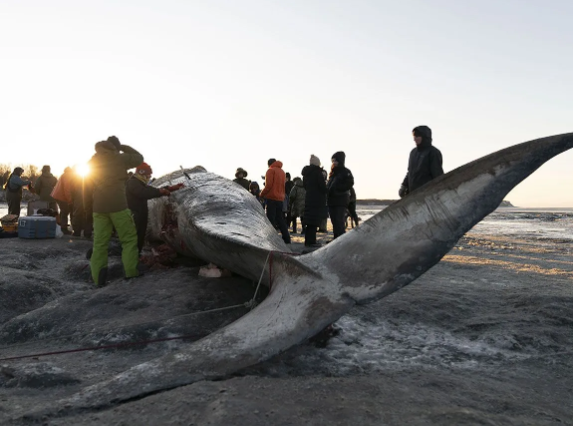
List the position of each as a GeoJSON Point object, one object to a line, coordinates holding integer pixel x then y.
{"type": "Point", "coordinates": [297, 181]}
{"type": "Point", "coordinates": [105, 147]}
{"type": "Point", "coordinates": [426, 133]}
{"type": "Point", "coordinates": [47, 174]}
{"type": "Point", "coordinates": [276, 164]}
{"type": "Point", "coordinates": [339, 156]}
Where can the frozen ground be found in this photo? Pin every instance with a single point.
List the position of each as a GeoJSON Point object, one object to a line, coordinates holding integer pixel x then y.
{"type": "Point", "coordinates": [485, 337]}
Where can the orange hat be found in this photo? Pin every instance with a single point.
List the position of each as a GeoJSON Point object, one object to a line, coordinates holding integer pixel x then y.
{"type": "Point", "coordinates": [144, 169]}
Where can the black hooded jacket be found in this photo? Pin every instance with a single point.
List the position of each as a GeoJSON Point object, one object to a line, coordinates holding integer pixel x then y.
{"type": "Point", "coordinates": [339, 183]}
{"type": "Point", "coordinates": [425, 162]}
{"type": "Point", "coordinates": [315, 198]}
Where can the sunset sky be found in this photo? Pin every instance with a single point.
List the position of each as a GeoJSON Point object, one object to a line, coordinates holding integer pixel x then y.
{"type": "Point", "coordinates": [229, 84]}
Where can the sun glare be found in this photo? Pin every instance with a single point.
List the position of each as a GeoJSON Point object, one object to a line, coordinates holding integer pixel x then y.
{"type": "Point", "coordinates": [83, 170]}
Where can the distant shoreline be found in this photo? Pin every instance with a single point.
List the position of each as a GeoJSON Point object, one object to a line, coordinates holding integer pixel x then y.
{"type": "Point", "coordinates": [382, 202]}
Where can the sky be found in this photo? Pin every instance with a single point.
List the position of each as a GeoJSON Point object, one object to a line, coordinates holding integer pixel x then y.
{"type": "Point", "coordinates": [227, 84]}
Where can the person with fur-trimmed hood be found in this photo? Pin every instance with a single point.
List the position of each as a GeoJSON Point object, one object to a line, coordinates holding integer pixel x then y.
{"type": "Point", "coordinates": [108, 174]}
{"type": "Point", "coordinates": [340, 181]}
{"type": "Point", "coordinates": [138, 192]}
{"type": "Point", "coordinates": [296, 203]}
{"type": "Point", "coordinates": [240, 176]}
{"type": "Point", "coordinates": [424, 164]}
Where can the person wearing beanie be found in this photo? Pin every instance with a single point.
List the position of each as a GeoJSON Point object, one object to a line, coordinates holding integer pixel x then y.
{"type": "Point", "coordinates": [315, 209]}
{"type": "Point", "coordinates": [340, 182]}
{"type": "Point", "coordinates": [424, 164]}
{"type": "Point", "coordinates": [138, 192]}
{"type": "Point", "coordinates": [108, 176]}
{"type": "Point", "coordinates": [45, 185]}
{"type": "Point", "coordinates": [274, 193]}
{"type": "Point", "coordinates": [14, 187]}
{"type": "Point", "coordinates": [240, 176]}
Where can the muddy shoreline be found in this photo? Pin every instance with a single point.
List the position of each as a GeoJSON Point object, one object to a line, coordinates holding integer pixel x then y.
{"type": "Point", "coordinates": [482, 338]}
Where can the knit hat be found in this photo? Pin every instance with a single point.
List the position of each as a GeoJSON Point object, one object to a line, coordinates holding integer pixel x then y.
{"type": "Point", "coordinates": [241, 170]}
{"type": "Point", "coordinates": [144, 169]}
{"type": "Point", "coordinates": [315, 161]}
{"type": "Point", "coordinates": [340, 157]}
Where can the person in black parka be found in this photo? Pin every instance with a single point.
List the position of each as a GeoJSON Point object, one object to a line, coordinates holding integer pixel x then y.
{"type": "Point", "coordinates": [340, 181]}
{"type": "Point", "coordinates": [138, 192]}
{"type": "Point", "coordinates": [424, 164]}
{"type": "Point", "coordinates": [315, 209]}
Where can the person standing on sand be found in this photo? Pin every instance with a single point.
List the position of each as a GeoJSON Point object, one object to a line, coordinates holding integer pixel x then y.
{"type": "Point", "coordinates": [289, 184]}
{"type": "Point", "coordinates": [315, 210]}
{"type": "Point", "coordinates": [45, 185]}
{"type": "Point", "coordinates": [62, 193]}
{"type": "Point", "coordinates": [109, 175]}
{"type": "Point", "coordinates": [14, 188]}
{"type": "Point", "coordinates": [352, 208]}
{"type": "Point", "coordinates": [424, 164]}
{"type": "Point", "coordinates": [340, 181]}
{"type": "Point", "coordinates": [323, 225]}
{"type": "Point", "coordinates": [274, 192]}
{"type": "Point", "coordinates": [296, 203]}
{"type": "Point", "coordinates": [240, 176]}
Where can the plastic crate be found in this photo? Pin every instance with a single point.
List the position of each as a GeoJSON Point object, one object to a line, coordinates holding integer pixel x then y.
{"type": "Point", "coordinates": [35, 227]}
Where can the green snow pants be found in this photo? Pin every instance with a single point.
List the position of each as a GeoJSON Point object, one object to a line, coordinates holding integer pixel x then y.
{"type": "Point", "coordinates": [103, 228]}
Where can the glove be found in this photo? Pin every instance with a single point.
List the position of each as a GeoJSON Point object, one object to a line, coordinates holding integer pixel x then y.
{"type": "Point", "coordinates": [164, 191]}
{"type": "Point", "coordinates": [403, 191]}
{"type": "Point", "coordinates": [175, 187]}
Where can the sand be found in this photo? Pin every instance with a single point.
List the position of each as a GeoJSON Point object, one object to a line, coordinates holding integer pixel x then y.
{"type": "Point", "coordinates": [485, 337]}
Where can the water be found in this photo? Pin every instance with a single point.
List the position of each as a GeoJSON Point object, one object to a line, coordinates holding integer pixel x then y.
{"type": "Point", "coordinates": [511, 221]}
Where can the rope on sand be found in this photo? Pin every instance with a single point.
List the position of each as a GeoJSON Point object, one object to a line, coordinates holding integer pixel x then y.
{"type": "Point", "coordinates": [251, 304]}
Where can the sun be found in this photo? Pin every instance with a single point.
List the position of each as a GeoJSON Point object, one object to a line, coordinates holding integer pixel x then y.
{"type": "Point", "coordinates": [83, 170]}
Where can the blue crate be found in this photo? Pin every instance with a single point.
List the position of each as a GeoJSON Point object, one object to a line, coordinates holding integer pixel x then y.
{"type": "Point", "coordinates": [34, 227]}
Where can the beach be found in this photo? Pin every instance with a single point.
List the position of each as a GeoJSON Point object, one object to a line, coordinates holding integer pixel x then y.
{"type": "Point", "coordinates": [484, 337]}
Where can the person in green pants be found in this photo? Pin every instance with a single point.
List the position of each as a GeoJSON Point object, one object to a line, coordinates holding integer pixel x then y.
{"type": "Point", "coordinates": [108, 172]}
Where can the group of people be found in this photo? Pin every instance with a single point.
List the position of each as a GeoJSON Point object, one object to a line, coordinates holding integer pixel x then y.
{"type": "Point", "coordinates": [313, 198]}
{"type": "Point", "coordinates": [115, 201]}
{"type": "Point", "coordinates": [319, 194]}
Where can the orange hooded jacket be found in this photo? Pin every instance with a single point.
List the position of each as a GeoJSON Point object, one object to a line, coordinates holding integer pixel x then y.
{"type": "Point", "coordinates": [274, 183]}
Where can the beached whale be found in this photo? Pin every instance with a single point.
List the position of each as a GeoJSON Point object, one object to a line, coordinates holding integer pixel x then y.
{"type": "Point", "coordinates": [217, 220]}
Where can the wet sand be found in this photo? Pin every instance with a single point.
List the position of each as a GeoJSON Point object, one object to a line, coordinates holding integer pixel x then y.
{"type": "Point", "coordinates": [485, 337]}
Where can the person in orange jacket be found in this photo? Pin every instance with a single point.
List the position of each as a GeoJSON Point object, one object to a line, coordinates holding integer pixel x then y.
{"type": "Point", "coordinates": [274, 192]}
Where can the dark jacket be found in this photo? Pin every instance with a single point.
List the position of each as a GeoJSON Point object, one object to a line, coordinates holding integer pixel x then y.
{"type": "Point", "coordinates": [425, 164]}
{"type": "Point", "coordinates": [289, 185]}
{"type": "Point", "coordinates": [44, 186]}
{"type": "Point", "coordinates": [109, 175]}
{"type": "Point", "coordinates": [339, 183]}
{"type": "Point", "coordinates": [315, 208]}
{"type": "Point", "coordinates": [138, 193]}
{"type": "Point", "coordinates": [243, 182]}
{"type": "Point", "coordinates": [14, 186]}
{"type": "Point", "coordinates": [352, 195]}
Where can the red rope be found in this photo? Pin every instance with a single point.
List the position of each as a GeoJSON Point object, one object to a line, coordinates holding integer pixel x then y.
{"type": "Point", "coordinates": [96, 348]}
